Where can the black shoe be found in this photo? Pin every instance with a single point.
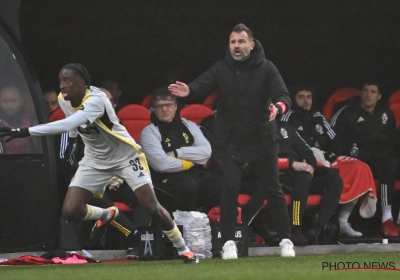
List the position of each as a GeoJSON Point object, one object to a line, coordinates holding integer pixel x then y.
{"type": "Point", "coordinates": [189, 257]}
{"type": "Point", "coordinates": [100, 227]}
{"type": "Point", "coordinates": [312, 236]}
{"type": "Point", "coordinates": [273, 240]}
{"type": "Point", "coordinates": [298, 239]}
{"type": "Point", "coordinates": [132, 254]}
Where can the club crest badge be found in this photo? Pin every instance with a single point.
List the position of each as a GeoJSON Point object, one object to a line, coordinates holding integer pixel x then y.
{"type": "Point", "coordinates": [319, 129]}
{"type": "Point", "coordinates": [384, 118]}
{"type": "Point", "coordinates": [284, 133]}
{"type": "Point", "coordinates": [186, 137]}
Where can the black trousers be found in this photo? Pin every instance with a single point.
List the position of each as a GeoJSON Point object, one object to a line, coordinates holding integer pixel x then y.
{"type": "Point", "coordinates": [256, 202]}
{"type": "Point", "coordinates": [188, 191]}
{"type": "Point", "coordinates": [384, 169]}
{"type": "Point", "coordinates": [268, 178]}
{"type": "Point", "coordinates": [302, 184]}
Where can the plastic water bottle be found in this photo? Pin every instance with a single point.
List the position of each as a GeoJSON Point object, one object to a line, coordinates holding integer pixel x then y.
{"type": "Point", "coordinates": [354, 150]}
{"type": "Point", "coordinates": [197, 232]}
{"type": "Point", "coordinates": [86, 253]}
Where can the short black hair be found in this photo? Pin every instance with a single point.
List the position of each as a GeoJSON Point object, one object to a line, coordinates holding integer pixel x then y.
{"type": "Point", "coordinates": [241, 27]}
{"type": "Point", "coordinates": [50, 89]}
{"type": "Point", "coordinates": [162, 93]}
{"type": "Point", "coordinates": [79, 70]}
{"type": "Point", "coordinates": [372, 82]}
{"type": "Point", "coordinates": [305, 87]}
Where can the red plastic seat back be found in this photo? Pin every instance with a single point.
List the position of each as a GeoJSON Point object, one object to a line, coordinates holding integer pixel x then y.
{"type": "Point", "coordinates": [134, 117]}
{"type": "Point", "coordinates": [214, 215]}
{"type": "Point", "coordinates": [122, 206]}
{"type": "Point", "coordinates": [57, 115]}
{"type": "Point", "coordinates": [394, 104]}
{"type": "Point", "coordinates": [339, 95]}
{"type": "Point", "coordinates": [209, 101]}
{"type": "Point", "coordinates": [146, 101]}
{"type": "Point", "coordinates": [395, 97]}
{"type": "Point", "coordinates": [196, 113]}
{"type": "Point", "coordinates": [395, 107]}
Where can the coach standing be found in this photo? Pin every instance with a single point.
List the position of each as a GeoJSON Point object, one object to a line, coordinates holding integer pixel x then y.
{"type": "Point", "coordinates": [251, 93]}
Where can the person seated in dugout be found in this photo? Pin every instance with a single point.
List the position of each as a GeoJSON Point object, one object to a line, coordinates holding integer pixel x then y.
{"type": "Point", "coordinates": [12, 115]}
{"type": "Point", "coordinates": [50, 97]}
{"type": "Point", "coordinates": [366, 129]}
{"type": "Point", "coordinates": [303, 176]}
{"type": "Point", "coordinates": [114, 88]}
{"type": "Point", "coordinates": [176, 150]}
{"type": "Point", "coordinates": [320, 136]}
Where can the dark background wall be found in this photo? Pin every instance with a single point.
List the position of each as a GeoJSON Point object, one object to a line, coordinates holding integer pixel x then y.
{"type": "Point", "coordinates": [146, 43]}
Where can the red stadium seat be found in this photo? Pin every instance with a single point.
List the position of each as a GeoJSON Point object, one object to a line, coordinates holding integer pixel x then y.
{"type": "Point", "coordinates": [57, 115]}
{"type": "Point", "coordinates": [146, 101]}
{"type": "Point", "coordinates": [134, 117]}
{"type": "Point", "coordinates": [313, 199]}
{"type": "Point", "coordinates": [209, 101]}
{"type": "Point", "coordinates": [397, 185]}
{"type": "Point", "coordinates": [395, 107]}
{"type": "Point", "coordinates": [395, 97]}
{"type": "Point", "coordinates": [196, 113]}
{"type": "Point", "coordinates": [214, 215]}
{"type": "Point", "coordinates": [243, 199]}
{"type": "Point", "coordinates": [394, 104]}
{"type": "Point", "coordinates": [122, 206]}
{"type": "Point", "coordinates": [339, 95]}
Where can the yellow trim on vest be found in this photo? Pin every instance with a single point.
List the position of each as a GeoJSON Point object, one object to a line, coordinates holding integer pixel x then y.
{"type": "Point", "coordinates": [186, 165]}
{"type": "Point", "coordinates": [86, 96]}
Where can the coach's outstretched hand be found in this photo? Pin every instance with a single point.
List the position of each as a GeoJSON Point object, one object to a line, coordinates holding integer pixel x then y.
{"type": "Point", "coordinates": [14, 133]}
{"type": "Point", "coordinates": [179, 89]}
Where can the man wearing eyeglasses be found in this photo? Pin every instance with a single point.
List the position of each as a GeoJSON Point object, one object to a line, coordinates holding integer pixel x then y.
{"type": "Point", "coordinates": [176, 149]}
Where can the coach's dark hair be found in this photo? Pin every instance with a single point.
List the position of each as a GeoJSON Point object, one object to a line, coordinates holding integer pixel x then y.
{"type": "Point", "coordinates": [79, 70]}
{"type": "Point", "coordinates": [241, 27]}
{"type": "Point", "coordinates": [162, 93]}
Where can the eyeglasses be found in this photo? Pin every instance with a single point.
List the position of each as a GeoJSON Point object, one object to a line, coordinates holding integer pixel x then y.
{"type": "Point", "coordinates": [161, 106]}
